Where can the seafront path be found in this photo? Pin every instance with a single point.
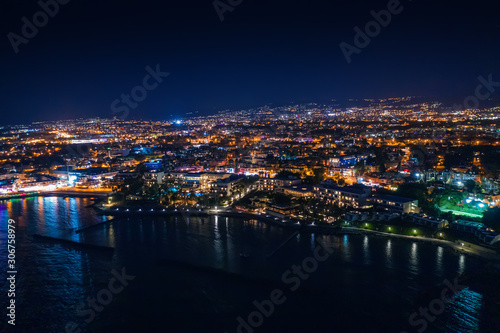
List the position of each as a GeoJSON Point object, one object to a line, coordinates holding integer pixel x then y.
{"type": "Point", "coordinates": [464, 248]}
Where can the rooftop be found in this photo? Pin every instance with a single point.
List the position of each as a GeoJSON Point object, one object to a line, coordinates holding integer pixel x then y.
{"type": "Point", "coordinates": [393, 198]}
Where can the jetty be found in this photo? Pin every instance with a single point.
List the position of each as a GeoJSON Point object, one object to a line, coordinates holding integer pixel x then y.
{"type": "Point", "coordinates": [73, 243]}
{"type": "Point", "coordinates": [283, 244]}
{"type": "Point", "coordinates": [77, 231]}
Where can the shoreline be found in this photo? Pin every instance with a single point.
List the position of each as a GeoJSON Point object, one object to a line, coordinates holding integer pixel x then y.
{"type": "Point", "coordinates": [96, 195]}
{"type": "Point", "coordinates": [487, 254]}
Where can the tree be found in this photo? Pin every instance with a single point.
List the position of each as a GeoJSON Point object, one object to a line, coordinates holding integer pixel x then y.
{"type": "Point", "coordinates": [287, 174]}
{"type": "Point", "coordinates": [281, 199]}
{"type": "Point", "coordinates": [458, 156]}
{"type": "Point", "coordinates": [142, 169]}
{"type": "Point", "coordinates": [152, 191]}
{"type": "Point", "coordinates": [447, 216]}
{"type": "Point", "coordinates": [319, 175]}
{"type": "Point", "coordinates": [490, 161]}
{"type": "Point", "coordinates": [132, 185]}
{"type": "Point", "coordinates": [359, 169]}
{"type": "Point", "coordinates": [415, 191]}
{"type": "Point", "coordinates": [491, 218]}
{"type": "Point", "coordinates": [140, 158]}
{"type": "Point", "coordinates": [471, 186]}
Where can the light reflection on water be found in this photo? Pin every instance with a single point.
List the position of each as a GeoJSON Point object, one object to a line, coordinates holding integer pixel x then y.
{"type": "Point", "coordinates": [461, 264]}
{"type": "Point", "coordinates": [464, 312]}
{"type": "Point", "coordinates": [439, 259]}
{"type": "Point", "coordinates": [346, 248]}
{"type": "Point", "coordinates": [388, 253]}
{"type": "Point", "coordinates": [52, 272]}
{"type": "Point", "coordinates": [413, 260]}
{"type": "Point", "coordinates": [366, 250]}
{"type": "Point", "coordinates": [218, 246]}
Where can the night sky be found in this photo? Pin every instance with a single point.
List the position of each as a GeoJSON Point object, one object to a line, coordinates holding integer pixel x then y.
{"type": "Point", "coordinates": [271, 51]}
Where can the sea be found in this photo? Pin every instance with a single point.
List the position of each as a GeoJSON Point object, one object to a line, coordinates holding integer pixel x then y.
{"type": "Point", "coordinates": [223, 274]}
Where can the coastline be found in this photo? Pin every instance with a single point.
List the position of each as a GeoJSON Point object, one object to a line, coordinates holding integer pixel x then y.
{"type": "Point", "coordinates": [70, 194]}
{"type": "Point", "coordinates": [486, 254]}
{"type": "Point", "coordinates": [483, 254]}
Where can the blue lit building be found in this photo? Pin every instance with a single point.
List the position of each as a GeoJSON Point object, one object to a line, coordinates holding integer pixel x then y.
{"type": "Point", "coordinates": [153, 165]}
{"type": "Point", "coordinates": [346, 161]}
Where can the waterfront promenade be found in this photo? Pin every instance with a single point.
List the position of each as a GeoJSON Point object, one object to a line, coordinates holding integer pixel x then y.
{"type": "Point", "coordinates": [476, 250]}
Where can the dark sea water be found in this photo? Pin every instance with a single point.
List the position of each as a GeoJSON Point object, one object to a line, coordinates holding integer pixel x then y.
{"type": "Point", "coordinates": [190, 276]}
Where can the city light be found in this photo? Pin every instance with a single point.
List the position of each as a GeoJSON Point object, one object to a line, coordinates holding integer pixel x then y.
{"type": "Point", "coordinates": [160, 162]}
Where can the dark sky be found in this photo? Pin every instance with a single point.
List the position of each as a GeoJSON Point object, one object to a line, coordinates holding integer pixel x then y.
{"type": "Point", "coordinates": [265, 51]}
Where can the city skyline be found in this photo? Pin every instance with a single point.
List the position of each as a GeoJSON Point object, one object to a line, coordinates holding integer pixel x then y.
{"type": "Point", "coordinates": [79, 61]}
{"type": "Point", "coordinates": [250, 166]}
{"type": "Point", "coordinates": [420, 106]}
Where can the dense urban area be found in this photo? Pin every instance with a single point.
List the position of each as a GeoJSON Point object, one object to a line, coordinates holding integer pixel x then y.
{"type": "Point", "coordinates": [396, 165]}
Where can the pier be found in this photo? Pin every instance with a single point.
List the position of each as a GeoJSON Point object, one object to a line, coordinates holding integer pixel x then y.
{"type": "Point", "coordinates": [73, 243]}
{"type": "Point", "coordinates": [283, 244]}
{"type": "Point", "coordinates": [77, 231]}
